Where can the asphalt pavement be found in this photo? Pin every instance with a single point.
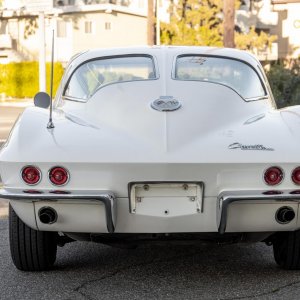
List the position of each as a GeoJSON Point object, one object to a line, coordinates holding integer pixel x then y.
{"type": "Point", "coordinates": [209, 271]}
{"type": "Point", "coordinates": [91, 271]}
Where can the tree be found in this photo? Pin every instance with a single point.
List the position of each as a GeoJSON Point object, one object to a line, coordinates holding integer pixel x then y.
{"type": "Point", "coordinates": [253, 40]}
{"type": "Point", "coordinates": [200, 22]}
{"type": "Point", "coordinates": [193, 23]}
{"type": "Point", "coordinates": [284, 78]}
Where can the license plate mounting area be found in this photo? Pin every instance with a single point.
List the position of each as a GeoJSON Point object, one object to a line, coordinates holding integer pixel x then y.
{"type": "Point", "coordinates": [166, 199]}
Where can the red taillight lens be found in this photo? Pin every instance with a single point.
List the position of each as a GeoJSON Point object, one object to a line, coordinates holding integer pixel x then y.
{"type": "Point", "coordinates": [31, 175]}
{"type": "Point", "coordinates": [59, 176]}
{"type": "Point", "coordinates": [273, 176]}
{"type": "Point", "coordinates": [296, 175]}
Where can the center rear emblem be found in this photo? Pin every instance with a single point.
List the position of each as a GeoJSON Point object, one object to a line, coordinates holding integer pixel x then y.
{"type": "Point", "coordinates": [165, 103]}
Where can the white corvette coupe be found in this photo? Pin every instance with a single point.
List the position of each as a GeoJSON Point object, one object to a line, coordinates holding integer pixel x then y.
{"type": "Point", "coordinates": [154, 144]}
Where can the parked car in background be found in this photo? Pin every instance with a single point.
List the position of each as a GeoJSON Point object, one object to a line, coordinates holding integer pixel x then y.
{"type": "Point", "coordinates": [154, 143]}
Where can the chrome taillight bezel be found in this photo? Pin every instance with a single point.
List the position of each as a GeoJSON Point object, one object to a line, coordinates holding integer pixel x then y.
{"type": "Point", "coordinates": [292, 176]}
{"type": "Point", "coordinates": [31, 166]}
{"type": "Point", "coordinates": [60, 167]}
{"type": "Point", "coordinates": [281, 178]}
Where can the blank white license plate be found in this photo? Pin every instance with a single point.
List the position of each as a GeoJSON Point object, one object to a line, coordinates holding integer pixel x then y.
{"type": "Point", "coordinates": [166, 199]}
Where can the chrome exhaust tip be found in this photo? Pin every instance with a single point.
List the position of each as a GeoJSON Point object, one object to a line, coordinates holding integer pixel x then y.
{"type": "Point", "coordinates": [285, 215]}
{"type": "Point", "coordinates": [47, 215]}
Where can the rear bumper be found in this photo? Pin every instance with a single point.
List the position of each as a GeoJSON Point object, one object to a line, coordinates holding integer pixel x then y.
{"type": "Point", "coordinates": [102, 212]}
{"type": "Point", "coordinates": [225, 199]}
{"type": "Point", "coordinates": [106, 198]}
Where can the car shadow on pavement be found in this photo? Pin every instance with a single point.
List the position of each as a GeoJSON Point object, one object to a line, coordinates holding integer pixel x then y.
{"type": "Point", "coordinates": [210, 270]}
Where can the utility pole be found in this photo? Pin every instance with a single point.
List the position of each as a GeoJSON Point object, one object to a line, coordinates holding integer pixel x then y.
{"type": "Point", "coordinates": [229, 11]}
{"type": "Point", "coordinates": [157, 23]}
{"type": "Point", "coordinates": [42, 54]}
{"type": "Point", "coordinates": [150, 20]}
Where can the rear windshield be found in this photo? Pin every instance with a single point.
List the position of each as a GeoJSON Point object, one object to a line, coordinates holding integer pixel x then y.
{"type": "Point", "coordinates": [232, 73]}
{"type": "Point", "coordinates": [93, 75]}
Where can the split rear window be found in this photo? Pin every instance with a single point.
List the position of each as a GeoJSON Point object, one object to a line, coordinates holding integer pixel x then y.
{"type": "Point", "coordinates": [230, 72]}
{"type": "Point", "coordinates": [91, 76]}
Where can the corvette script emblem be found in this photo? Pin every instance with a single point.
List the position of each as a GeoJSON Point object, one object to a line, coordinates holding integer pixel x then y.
{"type": "Point", "coordinates": [165, 103]}
{"type": "Point", "coordinates": [249, 147]}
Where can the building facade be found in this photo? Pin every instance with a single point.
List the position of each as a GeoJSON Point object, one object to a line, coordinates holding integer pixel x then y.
{"type": "Point", "coordinates": [276, 17]}
{"type": "Point", "coordinates": [86, 24]}
{"type": "Point", "coordinates": [77, 25]}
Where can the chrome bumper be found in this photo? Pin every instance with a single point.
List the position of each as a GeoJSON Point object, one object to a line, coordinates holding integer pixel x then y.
{"type": "Point", "coordinates": [105, 197]}
{"type": "Point", "coordinates": [108, 199]}
{"type": "Point", "coordinates": [228, 197]}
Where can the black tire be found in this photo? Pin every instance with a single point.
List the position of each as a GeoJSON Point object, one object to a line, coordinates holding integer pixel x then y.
{"type": "Point", "coordinates": [286, 248]}
{"type": "Point", "coordinates": [31, 250]}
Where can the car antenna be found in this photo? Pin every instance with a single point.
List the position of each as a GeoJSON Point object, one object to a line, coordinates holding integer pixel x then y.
{"type": "Point", "coordinates": [50, 124]}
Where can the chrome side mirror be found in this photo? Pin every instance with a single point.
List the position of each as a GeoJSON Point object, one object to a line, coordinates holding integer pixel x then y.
{"type": "Point", "coordinates": [42, 100]}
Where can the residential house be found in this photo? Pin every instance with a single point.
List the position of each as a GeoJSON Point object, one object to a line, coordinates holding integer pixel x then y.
{"type": "Point", "coordinates": [78, 26]}
{"type": "Point", "coordinates": [276, 17]}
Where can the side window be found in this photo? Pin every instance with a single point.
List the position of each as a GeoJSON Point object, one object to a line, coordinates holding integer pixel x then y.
{"type": "Point", "coordinates": [95, 74]}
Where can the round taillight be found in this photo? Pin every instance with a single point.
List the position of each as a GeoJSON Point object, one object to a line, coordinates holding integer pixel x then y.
{"type": "Point", "coordinates": [31, 175]}
{"type": "Point", "coordinates": [58, 175]}
{"type": "Point", "coordinates": [273, 176]}
{"type": "Point", "coordinates": [296, 176]}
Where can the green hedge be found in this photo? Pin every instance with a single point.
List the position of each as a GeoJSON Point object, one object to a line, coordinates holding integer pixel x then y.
{"type": "Point", "coordinates": [284, 78]}
{"type": "Point", "coordinates": [21, 80]}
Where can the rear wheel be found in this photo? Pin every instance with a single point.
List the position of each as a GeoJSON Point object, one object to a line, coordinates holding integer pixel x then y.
{"type": "Point", "coordinates": [286, 248]}
{"type": "Point", "coordinates": [31, 250]}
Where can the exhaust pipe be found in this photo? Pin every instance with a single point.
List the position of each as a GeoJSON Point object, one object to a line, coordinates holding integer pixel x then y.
{"type": "Point", "coordinates": [285, 215]}
{"type": "Point", "coordinates": [47, 215]}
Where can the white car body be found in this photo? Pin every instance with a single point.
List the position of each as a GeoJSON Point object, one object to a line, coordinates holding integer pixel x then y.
{"type": "Point", "coordinates": [133, 169]}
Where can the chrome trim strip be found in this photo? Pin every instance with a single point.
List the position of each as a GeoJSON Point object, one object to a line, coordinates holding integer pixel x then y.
{"type": "Point", "coordinates": [107, 198]}
{"type": "Point", "coordinates": [74, 99]}
{"type": "Point", "coordinates": [257, 98]}
{"type": "Point", "coordinates": [225, 199]}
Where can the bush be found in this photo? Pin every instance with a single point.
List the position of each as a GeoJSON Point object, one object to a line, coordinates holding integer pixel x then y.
{"type": "Point", "coordinates": [20, 80]}
{"type": "Point", "coordinates": [284, 78]}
